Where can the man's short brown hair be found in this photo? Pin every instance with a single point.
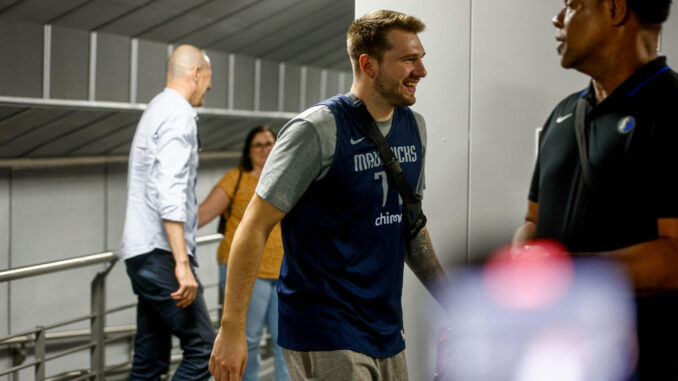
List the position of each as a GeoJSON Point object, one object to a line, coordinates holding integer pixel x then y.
{"type": "Point", "coordinates": [367, 35]}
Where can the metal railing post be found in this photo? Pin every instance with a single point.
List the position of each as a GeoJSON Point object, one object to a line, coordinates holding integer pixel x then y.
{"type": "Point", "coordinates": [40, 354]}
{"type": "Point", "coordinates": [18, 358]}
{"type": "Point", "coordinates": [97, 356]}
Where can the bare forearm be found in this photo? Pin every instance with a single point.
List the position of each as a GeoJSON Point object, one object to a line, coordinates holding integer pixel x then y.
{"type": "Point", "coordinates": [188, 287]}
{"type": "Point", "coordinates": [243, 264]}
{"type": "Point", "coordinates": [214, 205]}
{"type": "Point", "coordinates": [206, 213]}
{"type": "Point", "coordinates": [204, 216]}
{"type": "Point", "coordinates": [652, 266]}
{"type": "Point", "coordinates": [421, 258]}
{"type": "Point", "coordinates": [175, 236]}
{"type": "Point", "coordinates": [527, 232]}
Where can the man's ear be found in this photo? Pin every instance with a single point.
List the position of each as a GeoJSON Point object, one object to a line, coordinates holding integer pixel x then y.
{"type": "Point", "coordinates": [368, 65]}
{"type": "Point", "coordinates": [618, 11]}
{"type": "Point", "coordinates": [195, 74]}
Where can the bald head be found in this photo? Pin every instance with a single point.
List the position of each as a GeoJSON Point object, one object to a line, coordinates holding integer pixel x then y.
{"type": "Point", "coordinates": [189, 73]}
{"type": "Point", "coordinates": [184, 59]}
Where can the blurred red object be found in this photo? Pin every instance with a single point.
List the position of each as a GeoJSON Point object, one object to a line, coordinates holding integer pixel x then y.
{"type": "Point", "coordinates": [530, 276]}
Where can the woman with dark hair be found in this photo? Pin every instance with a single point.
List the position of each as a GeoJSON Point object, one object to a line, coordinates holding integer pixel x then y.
{"type": "Point", "coordinates": [229, 198]}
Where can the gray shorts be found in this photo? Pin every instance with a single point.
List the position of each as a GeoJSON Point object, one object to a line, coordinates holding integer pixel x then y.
{"type": "Point", "coordinates": [344, 365]}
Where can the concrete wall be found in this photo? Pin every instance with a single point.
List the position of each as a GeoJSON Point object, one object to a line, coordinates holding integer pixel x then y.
{"type": "Point", "coordinates": [493, 78]}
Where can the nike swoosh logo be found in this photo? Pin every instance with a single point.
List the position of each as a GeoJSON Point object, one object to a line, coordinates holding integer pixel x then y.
{"type": "Point", "coordinates": [561, 119]}
{"type": "Point", "coordinates": [354, 142]}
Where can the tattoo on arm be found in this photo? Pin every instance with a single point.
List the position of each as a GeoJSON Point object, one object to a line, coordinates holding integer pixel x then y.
{"type": "Point", "coordinates": [421, 258]}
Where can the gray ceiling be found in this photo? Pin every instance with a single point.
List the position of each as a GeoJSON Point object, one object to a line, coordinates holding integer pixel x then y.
{"type": "Point", "coordinates": [308, 32]}
{"type": "Point", "coordinates": [61, 132]}
{"type": "Point", "coordinates": [301, 32]}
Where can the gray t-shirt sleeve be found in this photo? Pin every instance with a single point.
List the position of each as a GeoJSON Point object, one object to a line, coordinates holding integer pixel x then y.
{"type": "Point", "coordinates": [302, 154]}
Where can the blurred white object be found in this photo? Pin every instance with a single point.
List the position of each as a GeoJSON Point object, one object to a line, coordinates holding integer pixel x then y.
{"type": "Point", "coordinates": [534, 314]}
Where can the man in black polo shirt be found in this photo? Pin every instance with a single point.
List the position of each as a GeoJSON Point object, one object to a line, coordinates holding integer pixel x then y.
{"type": "Point", "coordinates": [626, 207]}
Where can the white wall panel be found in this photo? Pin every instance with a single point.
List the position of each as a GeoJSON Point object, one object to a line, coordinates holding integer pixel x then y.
{"type": "Point", "coordinates": [118, 287]}
{"type": "Point", "coordinates": [116, 202]}
{"type": "Point", "coordinates": [516, 80]}
{"type": "Point", "coordinates": [113, 68]}
{"type": "Point", "coordinates": [670, 38]}
{"type": "Point", "coordinates": [70, 63]}
{"type": "Point", "coordinates": [243, 97]}
{"type": "Point", "coordinates": [151, 69]}
{"type": "Point", "coordinates": [56, 213]}
{"type": "Point", "coordinates": [292, 88]}
{"type": "Point", "coordinates": [20, 59]}
{"type": "Point", "coordinates": [348, 80]}
{"type": "Point", "coordinates": [313, 94]}
{"type": "Point", "coordinates": [332, 84]}
{"type": "Point", "coordinates": [268, 89]}
{"type": "Point", "coordinates": [218, 95]}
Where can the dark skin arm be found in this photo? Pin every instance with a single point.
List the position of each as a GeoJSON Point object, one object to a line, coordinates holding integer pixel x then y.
{"type": "Point", "coordinates": [652, 266]}
{"type": "Point", "coordinates": [422, 260]}
{"type": "Point", "coordinates": [528, 231]}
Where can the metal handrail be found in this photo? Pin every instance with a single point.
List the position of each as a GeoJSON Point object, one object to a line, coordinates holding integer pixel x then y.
{"type": "Point", "coordinates": [209, 238]}
{"type": "Point", "coordinates": [73, 334]}
{"type": "Point", "coordinates": [72, 263]}
{"type": "Point", "coordinates": [97, 331]}
{"type": "Point", "coordinates": [50, 267]}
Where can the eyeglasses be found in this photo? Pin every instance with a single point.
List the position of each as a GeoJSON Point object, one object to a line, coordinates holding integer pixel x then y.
{"type": "Point", "coordinates": [261, 145]}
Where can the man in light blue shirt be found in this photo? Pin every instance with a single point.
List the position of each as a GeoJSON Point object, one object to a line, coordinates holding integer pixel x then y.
{"type": "Point", "coordinates": [158, 243]}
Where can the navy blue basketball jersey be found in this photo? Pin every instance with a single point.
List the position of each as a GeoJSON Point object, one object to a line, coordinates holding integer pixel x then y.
{"type": "Point", "coordinates": [341, 278]}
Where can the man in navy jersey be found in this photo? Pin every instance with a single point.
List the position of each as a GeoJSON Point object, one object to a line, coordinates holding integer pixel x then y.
{"type": "Point", "coordinates": [341, 278]}
{"type": "Point", "coordinates": [614, 194]}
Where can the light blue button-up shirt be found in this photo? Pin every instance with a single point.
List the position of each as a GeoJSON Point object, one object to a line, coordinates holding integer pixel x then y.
{"type": "Point", "coordinates": [163, 168]}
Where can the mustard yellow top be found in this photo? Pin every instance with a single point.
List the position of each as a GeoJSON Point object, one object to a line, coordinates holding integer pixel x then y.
{"type": "Point", "coordinates": [273, 253]}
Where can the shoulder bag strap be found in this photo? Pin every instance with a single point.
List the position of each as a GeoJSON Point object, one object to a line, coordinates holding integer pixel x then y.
{"type": "Point", "coordinates": [224, 216]}
{"type": "Point", "coordinates": [582, 143]}
{"type": "Point", "coordinates": [413, 216]}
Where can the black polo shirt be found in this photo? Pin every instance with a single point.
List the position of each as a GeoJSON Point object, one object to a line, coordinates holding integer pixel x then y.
{"type": "Point", "coordinates": [633, 150]}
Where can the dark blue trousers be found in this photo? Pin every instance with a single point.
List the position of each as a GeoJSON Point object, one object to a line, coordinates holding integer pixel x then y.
{"type": "Point", "coordinates": [158, 318]}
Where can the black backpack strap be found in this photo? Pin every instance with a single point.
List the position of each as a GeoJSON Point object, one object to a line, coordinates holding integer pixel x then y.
{"type": "Point", "coordinates": [582, 143]}
{"type": "Point", "coordinates": [413, 216]}
{"type": "Point", "coordinates": [224, 216]}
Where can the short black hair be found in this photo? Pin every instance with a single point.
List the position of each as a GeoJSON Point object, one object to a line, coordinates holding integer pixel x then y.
{"type": "Point", "coordinates": [650, 11]}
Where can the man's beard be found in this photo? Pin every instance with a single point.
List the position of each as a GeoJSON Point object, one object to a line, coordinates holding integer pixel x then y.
{"type": "Point", "coordinates": [389, 90]}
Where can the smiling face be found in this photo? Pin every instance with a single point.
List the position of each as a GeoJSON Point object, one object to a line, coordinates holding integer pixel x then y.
{"type": "Point", "coordinates": [581, 32]}
{"type": "Point", "coordinates": [400, 68]}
